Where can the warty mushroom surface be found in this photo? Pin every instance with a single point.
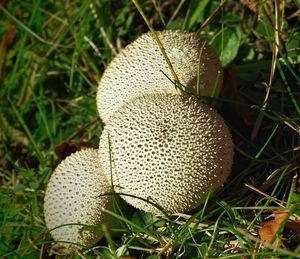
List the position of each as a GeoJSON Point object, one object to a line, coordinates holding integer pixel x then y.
{"type": "Point", "coordinates": [140, 68]}
{"type": "Point", "coordinates": [73, 197]}
{"type": "Point", "coordinates": [169, 149]}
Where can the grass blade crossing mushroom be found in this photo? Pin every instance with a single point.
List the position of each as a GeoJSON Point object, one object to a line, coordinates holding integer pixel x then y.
{"type": "Point", "coordinates": [167, 148]}
{"type": "Point", "coordinates": [141, 68]}
{"type": "Point", "coordinates": [72, 197]}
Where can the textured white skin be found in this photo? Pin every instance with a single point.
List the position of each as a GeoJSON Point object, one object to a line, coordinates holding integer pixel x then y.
{"type": "Point", "coordinates": [166, 148]}
{"type": "Point", "coordinates": [72, 197]}
{"type": "Point", "coordinates": [137, 69]}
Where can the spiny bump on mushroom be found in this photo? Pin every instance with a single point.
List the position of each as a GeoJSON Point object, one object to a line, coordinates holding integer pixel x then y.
{"type": "Point", "coordinates": [73, 197]}
{"type": "Point", "coordinates": [167, 148]}
{"type": "Point", "coordinates": [141, 68]}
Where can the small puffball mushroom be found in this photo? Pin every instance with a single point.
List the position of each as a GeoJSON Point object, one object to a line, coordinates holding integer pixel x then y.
{"type": "Point", "coordinates": [140, 68]}
{"type": "Point", "coordinates": [72, 197]}
{"type": "Point", "coordinates": [169, 149]}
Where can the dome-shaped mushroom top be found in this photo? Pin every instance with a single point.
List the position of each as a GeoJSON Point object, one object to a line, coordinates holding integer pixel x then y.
{"type": "Point", "coordinates": [140, 68]}
{"type": "Point", "coordinates": [72, 197]}
{"type": "Point", "coordinates": [166, 148]}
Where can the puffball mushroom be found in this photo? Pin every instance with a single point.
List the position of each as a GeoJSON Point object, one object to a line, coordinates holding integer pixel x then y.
{"type": "Point", "coordinates": [139, 69]}
{"type": "Point", "coordinates": [73, 197]}
{"type": "Point", "coordinates": [169, 149]}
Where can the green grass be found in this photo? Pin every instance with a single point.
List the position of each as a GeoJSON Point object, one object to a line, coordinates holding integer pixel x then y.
{"type": "Point", "coordinates": [51, 55]}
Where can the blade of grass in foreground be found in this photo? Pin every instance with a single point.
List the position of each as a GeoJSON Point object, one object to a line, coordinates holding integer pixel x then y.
{"type": "Point", "coordinates": [141, 229]}
{"type": "Point", "coordinates": [27, 29]}
{"type": "Point", "coordinates": [11, 251]}
{"type": "Point", "coordinates": [31, 138]}
{"type": "Point", "coordinates": [266, 143]}
{"type": "Point", "coordinates": [155, 36]}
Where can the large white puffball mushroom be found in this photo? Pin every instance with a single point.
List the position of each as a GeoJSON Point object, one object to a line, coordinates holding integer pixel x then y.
{"type": "Point", "coordinates": [139, 69]}
{"type": "Point", "coordinates": [168, 149]}
{"type": "Point", "coordinates": [72, 197]}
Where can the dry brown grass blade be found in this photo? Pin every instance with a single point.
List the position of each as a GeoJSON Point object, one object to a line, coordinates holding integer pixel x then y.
{"type": "Point", "coordinates": [37, 237]}
{"type": "Point", "coordinates": [176, 12]}
{"type": "Point", "coordinates": [278, 11]}
{"type": "Point", "coordinates": [214, 13]}
{"type": "Point", "coordinates": [279, 202]}
{"type": "Point", "coordinates": [103, 32]}
{"type": "Point", "coordinates": [156, 38]}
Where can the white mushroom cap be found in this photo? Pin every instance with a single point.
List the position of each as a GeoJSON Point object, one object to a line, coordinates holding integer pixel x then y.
{"type": "Point", "coordinates": [140, 68]}
{"type": "Point", "coordinates": [72, 197]}
{"type": "Point", "coordinates": [169, 149]}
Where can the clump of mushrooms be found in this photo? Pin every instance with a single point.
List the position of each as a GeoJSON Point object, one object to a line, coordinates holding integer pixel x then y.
{"type": "Point", "coordinates": [169, 149]}
{"type": "Point", "coordinates": [140, 68]}
{"type": "Point", "coordinates": [73, 204]}
{"type": "Point", "coordinates": [157, 144]}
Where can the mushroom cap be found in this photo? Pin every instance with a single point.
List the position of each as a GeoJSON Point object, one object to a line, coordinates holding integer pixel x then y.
{"type": "Point", "coordinates": [169, 149]}
{"type": "Point", "coordinates": [139, 69]}
{"type": "Point", "coordinates": [72, 197]}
